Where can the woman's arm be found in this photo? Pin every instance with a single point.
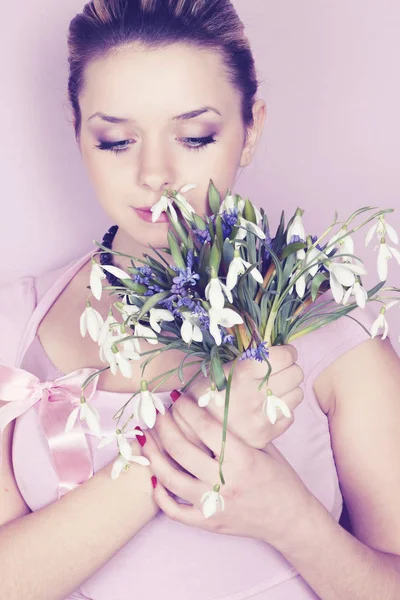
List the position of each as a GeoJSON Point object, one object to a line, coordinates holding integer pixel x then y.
{"type": "Point", "coordinates": [364, 417]}
{"type": "Point", "coordinates": [49, 553]}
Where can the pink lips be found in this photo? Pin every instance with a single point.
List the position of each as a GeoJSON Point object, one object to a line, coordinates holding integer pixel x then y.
{"type": "Point", "coordinates": [146, 215]}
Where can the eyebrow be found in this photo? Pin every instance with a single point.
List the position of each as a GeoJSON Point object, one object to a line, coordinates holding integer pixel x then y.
{"type": "Point", "coordinates": [185, 116]}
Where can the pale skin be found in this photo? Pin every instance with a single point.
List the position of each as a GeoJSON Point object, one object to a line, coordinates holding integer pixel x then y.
{"type": "Point", "coordinates": [359, 392]}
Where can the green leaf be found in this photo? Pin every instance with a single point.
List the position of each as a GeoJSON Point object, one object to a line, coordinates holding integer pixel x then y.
{"type": "Point", "coordinates": [316, 284]}
{"type": "Point", "coordinates": [152, 301]}
{"type": "Point", "coordinates": [218, 230]}
{"type": "Point", "coordinates": [292, 248]}
{"type": "Point", "coordinates": [215, 256]}
{"type": "Point", "coordinates": [214, 197]}
{"type": "Point", "coordinates": [376, 289]}
{"type": "Point", "coordinates": [175, 250]}
{"type": "Point", "coordinates": [217, 371]}
{"type": "Point", "coordinates": [227, 252]}
{"type": "Point", "coordinates": [249, 212]}
{"type": "Point", "coordinates": [198, 221]}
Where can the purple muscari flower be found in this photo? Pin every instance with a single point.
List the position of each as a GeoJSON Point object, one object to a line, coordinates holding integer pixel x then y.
{"type": "Point", "coordinates": [295, 239]}
{"type": "Point", "coordinates": [260, 353]}
{"type": "Point", "coordinates": [202, 235]}
{"type": "Point", "coordinates": [228, 339]}
{"type": "Point", "coordinates": [187, 301]}
{"type": "Point", "coordinates": [229, 220]}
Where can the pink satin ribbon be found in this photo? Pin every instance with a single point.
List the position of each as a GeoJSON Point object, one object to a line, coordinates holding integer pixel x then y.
{"type": "Point", "coordinates": [70, 451]}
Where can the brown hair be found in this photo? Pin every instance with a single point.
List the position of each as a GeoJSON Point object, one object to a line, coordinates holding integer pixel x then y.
{"type": "Point", "coordinates": [105, 25]}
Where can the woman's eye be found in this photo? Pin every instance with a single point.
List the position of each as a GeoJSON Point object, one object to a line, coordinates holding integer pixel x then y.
{"type": "Point", "coordinates": [192, 143]}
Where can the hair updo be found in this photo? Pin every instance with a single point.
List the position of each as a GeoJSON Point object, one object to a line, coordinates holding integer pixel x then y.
{"type": "Point", "coordinates": [104, 25]}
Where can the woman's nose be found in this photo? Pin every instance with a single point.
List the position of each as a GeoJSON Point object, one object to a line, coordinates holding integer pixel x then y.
{"type": "Point", "coordinates": [156, 170]}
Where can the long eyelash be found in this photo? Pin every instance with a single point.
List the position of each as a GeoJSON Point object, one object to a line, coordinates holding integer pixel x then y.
{"type": "Point", "coordinates": [116, 149]}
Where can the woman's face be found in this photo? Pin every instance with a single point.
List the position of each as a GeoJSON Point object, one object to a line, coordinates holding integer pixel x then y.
{"type": "Point", "coordinates": [175, 120]}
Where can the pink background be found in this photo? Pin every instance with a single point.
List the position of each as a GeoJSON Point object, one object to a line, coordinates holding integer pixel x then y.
{"type": "Point", "coordinates": [331, 140]}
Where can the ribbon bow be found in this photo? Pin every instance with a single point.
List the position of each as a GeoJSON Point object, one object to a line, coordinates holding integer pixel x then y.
{"type": "Point", "coordinates": [70, 451]}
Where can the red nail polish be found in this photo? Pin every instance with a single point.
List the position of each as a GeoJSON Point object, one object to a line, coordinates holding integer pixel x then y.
{"type": "Point", "coordinates": [157, 411]}
{"type": "Point", "coordinates": [140, 438]}
{"type": "Point", "coordinates": [175, 395]}
{"type": "Point", "coordinates": [154, 481]}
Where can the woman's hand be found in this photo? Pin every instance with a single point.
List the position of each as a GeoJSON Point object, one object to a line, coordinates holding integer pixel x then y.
{"type": "Point", "coordinates": [246, 418]}
{"type": "Point", "coordinates": [264, 497]}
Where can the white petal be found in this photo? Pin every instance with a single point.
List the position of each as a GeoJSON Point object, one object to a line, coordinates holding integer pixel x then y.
{"type": "Point", "coordinates": [214, 294]}
{"type": "Point", "coordinates": [233, 272]}
{"type": "Point", "coordinates": [94, 323]}
{"type": "Point", "coordinates": [376, 325]}
{"type": "Point", "coordinates": [336, 288]}
{"type": "Point", "coordinates": [173, 212]}
{"type": "Point", "coordinates": [147, 411]}
{"type": "Point", "coordinates": [117, 467]}
{"type": "Point", "coordinates": [124, 446]}
{"type": "Point", "coordinates": [204, 399]}
{"type": "Point", "coordinates": [158, 403]}
{"type": "Point", "coordinates": [392, 233]}
{"type": "Point", "coordinates": [344, 275]}
{"type": "Point", "coordinates": [209, 507]}
{"type": "Point", "coordinates": [227, 292]}
{"type": "Point", "coordinates": [95, 281]}
{"type": "Point", "coordinates": [141, 460]}
{"type": "Point", "coordinates": [395, 253]}
{"type": "Point", "coordinates": [361, 295]}
{"type": "Point", "coordinates": [186, 331]}
{"type": "Point", "coordinates": [281, 404]}
{"type": "Point", "coordinates": [228, 317]}
{"type": "Point", "coordinates": [270, 409]}
{"type": "Point", "coordinates": [215, 332]}
{"type": "Point", "coordinates": [71, 419]}
{"type": "Point", "coordinates": [257, 275]}
{"type": "Point", "coordinates": [116, 271]}
{"type": "Point", "coordinates": [385, 329]}
{"type": "Point", "coordinates": [301, 286]}
{"type": "Point", "coordinates": [83, 324]}
{"type": "Point", "coordinates": [370, 233]}
{"type": "Point", "coordinates": [187, 188]}
{"type": "Point", "coordinates": [92, 418]}
{"type": "Point", "coordinates": [197, 334]}
{"type": "Point", "coordinates": [382, 263]}
{"type": "Point", "coordinates": [347, 295]}
{"type": "Point", "coordinates": [125, 366]}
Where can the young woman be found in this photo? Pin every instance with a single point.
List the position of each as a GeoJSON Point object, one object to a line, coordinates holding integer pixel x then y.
{"type": "Point", "coordinates": [163, 93]}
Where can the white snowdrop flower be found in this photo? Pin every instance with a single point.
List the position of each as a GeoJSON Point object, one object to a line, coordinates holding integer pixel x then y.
{"type": "Point", "coordinates": [224, 317]}
{"type": "Point", "coordinates": [248, 225]}
{"type": "Point", "coordinates": [385, 253]}
{"type": "Point", "coordinates": [106, 329]}
{"type": "Point", "coordinates": [143, 332]}
{"type": "Point", "coordinates": [343, 274]}
{"type": "Point", "coordinates": [117, 359]}
{"type": "Point", "coordinates": [237, 267]}
{"type": "Point", "coordinates": [215, 291]}
{"type": "Point", "coordinates": [381, 228]}
{"type": "Point", "coordinates": [157, 315]}
{"type": "Point", "coordinates": [186, 209]}
{"type": "Point", "coordinates": [124, 447]}
{"type": "Point", "coordinates": [97, 275]}
{"type": "Point", "coordinates": [162, 206]}
{"type": "Point", "coordinates": [271, 404]}
{"type": "Point", "coordinates": [190, 329]}
{"type": "Point", "coordinates": [227, 205]}
{"type": "Point", "coordinates": [212, 501]}
{"type": "Point", "coordinates": [345, 246]}
{"type": "Point", "coordinates": [123, 464]}
{"type": "Point", "coordinates": [91, 321]}
{"type": "Point", "coordinates": [381, 322]}
{"type": "Point", "coordinates": [86, 413]}
{"type": "Point", "coordinates": [296, 228]}
{"type": "Point", "coordinates": [212, 394]}
{"type": "Point", "coordinates": [359, 292]}
{"type": "Point", "coordinates": [145, 404]}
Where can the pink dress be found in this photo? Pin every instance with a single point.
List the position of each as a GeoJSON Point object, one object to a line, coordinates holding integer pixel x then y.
{"type": "Point", "coordinates": [166, 559]}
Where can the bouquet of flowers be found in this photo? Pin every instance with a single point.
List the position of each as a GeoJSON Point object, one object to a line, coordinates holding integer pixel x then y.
{"type": "Point", "coordinates": [225, 291]}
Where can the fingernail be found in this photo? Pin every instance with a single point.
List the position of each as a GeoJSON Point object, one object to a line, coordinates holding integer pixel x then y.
{"type": "Point", "coordinates": [175, 395]}
{"type": "Point", "coordinates": [140, 438]}
{"type": "Point", "coordinates": [154, 481]}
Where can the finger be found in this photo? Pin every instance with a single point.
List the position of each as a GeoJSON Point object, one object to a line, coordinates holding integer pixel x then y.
{"type": "Point", "coordinates": [181, 484]}
{"type": "Point", "coordinates": [209, 429]}
{"type": "Point", "coordinates": [185, 453]}
{"type": "Point", "coordinates": [286, 380]}
{"type": "Point", "coordinates": [188, 432]}
{"type": "Point", "coordinates": [183, 513]}
{"type": "Point", "coordinates": [282, 357]}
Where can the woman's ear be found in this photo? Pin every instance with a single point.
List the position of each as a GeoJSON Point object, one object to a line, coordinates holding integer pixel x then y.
{"type": "Point", "coordinates": [253, 136]}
